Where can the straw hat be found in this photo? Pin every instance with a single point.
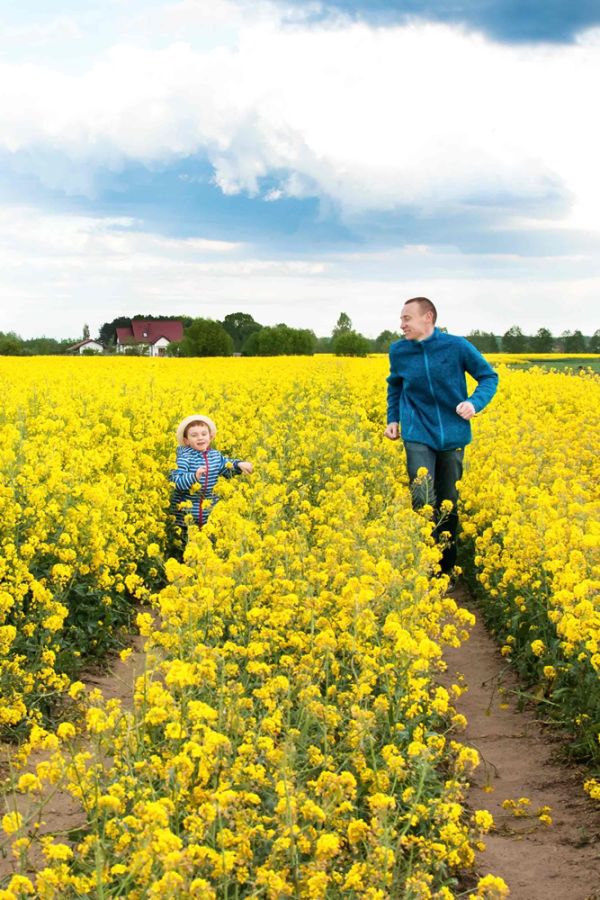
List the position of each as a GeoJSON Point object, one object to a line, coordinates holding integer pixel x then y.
{"type": "Point", "coordinates": [197, 417]}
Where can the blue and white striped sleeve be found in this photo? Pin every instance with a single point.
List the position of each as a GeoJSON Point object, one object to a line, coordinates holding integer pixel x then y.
{"type": "Point", "coordinates": [184, 476]}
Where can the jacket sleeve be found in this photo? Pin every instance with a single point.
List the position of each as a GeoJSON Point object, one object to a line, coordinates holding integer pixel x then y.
{"type": "Point", "coordinates": [487, 379]}
{"type": "Point", "coordinates": [394, 392]}
{"type": "Point", "coordinates": [184, 476]}
{"type": "Point", "coordinates": [229, 467]}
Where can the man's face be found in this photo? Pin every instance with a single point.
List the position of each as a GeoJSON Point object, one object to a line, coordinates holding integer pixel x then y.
{"type": "Point", "coordinates": [198, 437]}
{"type": "Point", "coordinates": [415, 324]}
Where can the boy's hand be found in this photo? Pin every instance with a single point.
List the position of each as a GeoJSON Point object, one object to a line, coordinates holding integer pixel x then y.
{"type": "Point", "coordinates": [246, 467]}
{"type": "Point", "coordinates": [392, 431]}
{"type": "Point", "coordinates": [200, 472]}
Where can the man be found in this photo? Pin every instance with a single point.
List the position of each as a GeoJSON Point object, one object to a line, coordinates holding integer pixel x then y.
{"type": "Point", "coordinates": [429, 404]}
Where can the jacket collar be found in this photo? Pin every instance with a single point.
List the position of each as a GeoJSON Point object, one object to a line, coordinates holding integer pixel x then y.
{"type": "Point", "coordinates": [434, 334]}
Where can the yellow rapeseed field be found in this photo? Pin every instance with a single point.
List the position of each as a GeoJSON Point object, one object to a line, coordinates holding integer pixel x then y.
{"type": "Point", "coordinates": [532, 529]}
{"type": "Point", "coordinates": [289, 736]}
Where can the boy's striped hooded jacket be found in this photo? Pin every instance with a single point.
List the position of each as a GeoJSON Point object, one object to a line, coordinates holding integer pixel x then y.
{"type": "Point", "coordinates": [183, 478]}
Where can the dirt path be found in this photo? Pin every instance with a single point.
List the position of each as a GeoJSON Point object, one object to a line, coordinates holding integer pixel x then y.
{"type": "Point", "coordinates": [519, 759]}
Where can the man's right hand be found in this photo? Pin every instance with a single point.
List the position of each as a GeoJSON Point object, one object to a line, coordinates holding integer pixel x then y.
{"type": "Point", "coordinates": [392, 431]}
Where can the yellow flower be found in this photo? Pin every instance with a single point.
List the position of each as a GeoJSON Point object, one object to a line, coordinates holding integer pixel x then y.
{"type": "Point", "coordinates": [12, 822]}
{"type": "Point", "coordinates": [77, 688]}
{"type": "Point", "coordinates": [66, 731]}
{"type": "Point", "coordinates": [328, 845]}
{"type": "Point", "coordinates": [538, 648]}
{"type": "Point", "coordinates": [484, 821]}
{"type": "Point", "coordinates": [19, 885]}
{"type": "Point", "coordinates": [28, 783]}
{"type": "Point", "coordinates": [357, 831]}
{"type": "Point", "coordinates": [57, 852]}
{"type": "Point", "coordinates": [491, 887]}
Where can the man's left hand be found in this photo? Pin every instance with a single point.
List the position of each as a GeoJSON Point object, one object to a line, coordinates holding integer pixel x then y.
{"type": "Point", "coordinates": [465, 410]}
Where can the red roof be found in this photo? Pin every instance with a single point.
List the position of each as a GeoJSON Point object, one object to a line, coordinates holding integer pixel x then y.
{"type": "Point", "coordinates": [148, 332]}
{"type": "Point", "coordinates": [124, 335]}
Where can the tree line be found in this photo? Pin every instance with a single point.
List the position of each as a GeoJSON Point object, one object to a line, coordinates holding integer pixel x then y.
{"type": "Point", "coordinates": [239, 333]}
{"type": "Point", "coordinates": [543, 341]}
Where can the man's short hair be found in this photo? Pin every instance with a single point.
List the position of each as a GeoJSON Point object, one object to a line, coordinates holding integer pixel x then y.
{"type": "Point", "coordinates": [425, 305]}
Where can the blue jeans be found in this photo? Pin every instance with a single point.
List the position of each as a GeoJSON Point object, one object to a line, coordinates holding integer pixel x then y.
{"type": "Point", "coordinates": [444, 469]}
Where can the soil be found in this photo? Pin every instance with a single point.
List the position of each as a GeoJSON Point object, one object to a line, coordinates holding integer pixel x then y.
{"type": "Point", "coordinates": [520, 757]}
{"type": "Point", "coordinates": [60, 814]}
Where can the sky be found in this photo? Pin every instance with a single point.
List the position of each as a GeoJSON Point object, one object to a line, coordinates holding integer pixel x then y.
{"type": "Point", "coordinates": [296, 160]}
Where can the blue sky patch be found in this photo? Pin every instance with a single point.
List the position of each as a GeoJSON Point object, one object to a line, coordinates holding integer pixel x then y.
{"type": "Point", "coordinates": [511, 21]}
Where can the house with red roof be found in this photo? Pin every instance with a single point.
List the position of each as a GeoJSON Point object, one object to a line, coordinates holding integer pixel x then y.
{"type": "Point", "coordinates": [149, 337]}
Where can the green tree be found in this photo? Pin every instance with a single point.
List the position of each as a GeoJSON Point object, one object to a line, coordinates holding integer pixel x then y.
{"type": "Point", "coordinates": [350, 343]}
{"type": "Point", "coordinates": [573, 342]}
{"type": "Point", "coordinates": [45, 346]}
{"type": "Point", "coordinates": [280, 340]}
{"type": "Point", "coordinates": [382, 342]}
{"type": "Point", "coordinates": [323, 345]}
{"type": "Point", "coordinates": [205, 337]}
{"type": "Point", "coordinates": [343, 325]}
{"type": "Point", "coordinates": [594, 346]}
{"type": "Point", "coordinates": [485, 341]}
{"type": "Point", "coordinates": [10, 344]}
{"type": "Point", "coordinates": [86, 332]}
{"type": "Point", "coordinates": [304, 342]}
{"type": "Point", "coordinates": [514, 341]}
{"type": "Point", "coordinates": [173, 349]}
{"type": "Point", "coordinates": [239, 326]}
{"type": "Point", "coordinates": [542, 341]}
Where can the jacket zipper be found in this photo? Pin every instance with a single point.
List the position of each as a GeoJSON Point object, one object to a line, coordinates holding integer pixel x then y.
{"type": "Point", "coordinates": [437, 408]}
{"type": "Point", "coordinates": [202, 498]}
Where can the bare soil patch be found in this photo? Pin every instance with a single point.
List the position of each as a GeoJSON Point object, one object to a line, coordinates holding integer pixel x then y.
{"type": "Point", "coordinates": [57, 813]}
{"type": "Point", "coordinates": [520, 758]}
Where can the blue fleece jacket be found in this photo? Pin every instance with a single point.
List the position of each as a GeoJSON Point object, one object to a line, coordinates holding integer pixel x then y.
{"type": "Point", "coordinates": [426, 384]}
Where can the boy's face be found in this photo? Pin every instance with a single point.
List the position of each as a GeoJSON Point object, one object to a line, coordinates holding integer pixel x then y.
{"type": "Point", "coordinates": [198, 437]}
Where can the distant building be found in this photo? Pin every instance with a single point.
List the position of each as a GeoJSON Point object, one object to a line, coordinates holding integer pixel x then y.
{"type": "Point", "coordinates": [150, 338]}
{"type": "Point", "coordinates": [86, 346]}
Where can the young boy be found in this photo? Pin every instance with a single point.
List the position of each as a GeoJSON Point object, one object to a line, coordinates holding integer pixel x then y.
{"type": "Point", "coordinates": [198, 464]}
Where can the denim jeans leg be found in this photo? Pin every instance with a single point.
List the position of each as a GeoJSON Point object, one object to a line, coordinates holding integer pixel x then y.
{"type": "Point", "coordinates": [420, 456]}
{"type": "Point", "coordinates": [449, 468]}
{"type": "Point", "coordinates": [445, 469]}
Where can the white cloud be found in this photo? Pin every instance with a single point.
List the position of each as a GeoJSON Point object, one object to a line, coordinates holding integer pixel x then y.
{"type": "Point", "coordinates": [423, 115]}
{"type": "Point", "coordinates": [57, 272]}
{"type": "Point", "coordinates": [39, 34]}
